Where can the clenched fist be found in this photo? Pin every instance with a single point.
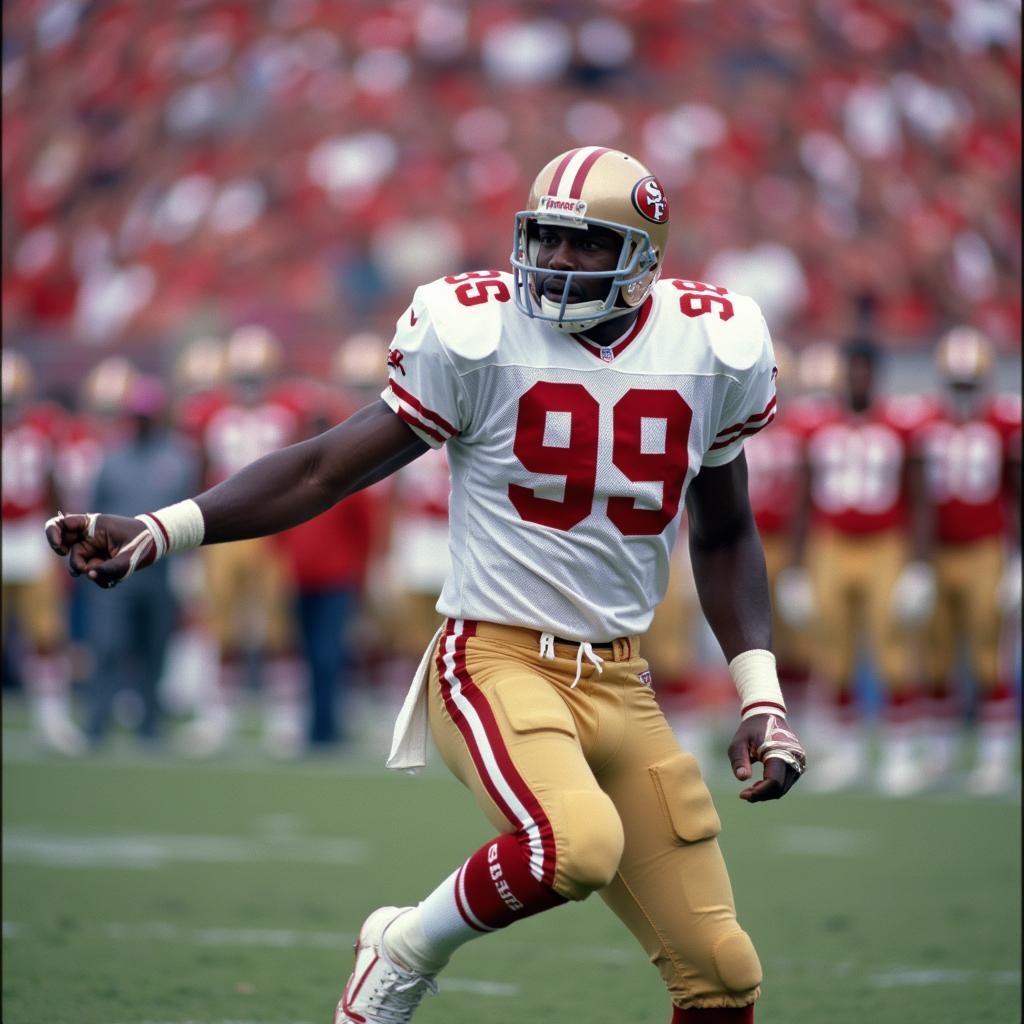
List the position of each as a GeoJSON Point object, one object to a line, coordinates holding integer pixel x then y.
{"type": "Point", "coordinates": [768, 739]}
{"type": "Point", "coordinates": [107, 549]}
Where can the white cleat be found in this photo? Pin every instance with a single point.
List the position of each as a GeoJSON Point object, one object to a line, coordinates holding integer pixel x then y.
{"type": "Point", "coordinates": [206, 736]}
{"type": "Point", "coordinates": [62, 736]}
{"type": "Point", "coordinates": [902, 776]}
{"type": "Point", "coordinates": [996, 769]}
{"type": "Point", "coordinates": [991, 780]}
{"type": "Point", "coordinates": [842, 765]}
{"type": "Point", "coordinates": [378, 990]}
{"type": "Point", "coordinates": [900, 772]}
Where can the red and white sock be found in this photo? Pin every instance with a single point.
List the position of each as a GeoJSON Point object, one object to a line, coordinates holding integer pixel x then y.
{"type": "Point", "coordinates": [493, 889]}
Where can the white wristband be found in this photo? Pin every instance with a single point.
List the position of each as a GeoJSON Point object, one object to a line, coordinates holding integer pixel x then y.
{"type": "Point", "coordinates": [177, 527]}
{"type": "Point", "coordinates": [757, 683]}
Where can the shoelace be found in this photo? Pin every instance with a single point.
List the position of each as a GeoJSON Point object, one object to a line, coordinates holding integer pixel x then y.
{"type": "Point", "coordinates": [547, 651]}
{"type": "Point", "coordinates": [403, 991]}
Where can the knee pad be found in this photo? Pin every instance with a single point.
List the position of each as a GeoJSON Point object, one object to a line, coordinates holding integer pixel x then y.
{"type": "Point", "coordinates": [589, 843]}
{"type": "Point", "coordinates": [736, 961]}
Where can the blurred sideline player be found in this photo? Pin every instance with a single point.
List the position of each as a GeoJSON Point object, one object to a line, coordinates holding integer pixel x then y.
{"type": "Point", "coordinates": [851, 539]}
{"type": "Point", "coordinates": [578, 398]}
{"type": "Point", "coordinates": [191, 668]}
{"type": "Point", "coordinates": [971, 451]}
{"type": "Point", "coordinates": [774, 461]}
{"type": "Point", "coordinates": [95, 426]}
{"type": "Point", "coordinates": [32, 595]}
{"type": "Point", "coordinates": [250, 592]}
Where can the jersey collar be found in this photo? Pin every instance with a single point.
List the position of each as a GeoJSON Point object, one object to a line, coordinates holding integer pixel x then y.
{"type": "Point", "coordinates": [607, 353]}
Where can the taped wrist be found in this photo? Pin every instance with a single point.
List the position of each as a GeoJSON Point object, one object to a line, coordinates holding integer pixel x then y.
{"type": "Point", "coordinates": [177, 527]}
{"type": "Point", "coordinates": [757, 682]}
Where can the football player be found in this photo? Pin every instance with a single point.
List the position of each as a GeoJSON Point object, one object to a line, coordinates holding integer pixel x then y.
{"type": "Point", "coordinates": [248, 586]}
{"type": "Point", "coordinates": [580, 400]}
{"type": "Point", "coordinates": [32, 596]}
{"type": "Point", "coordinates": [971, 451]}
{"type": "Point", "coordinates": [851, 539]}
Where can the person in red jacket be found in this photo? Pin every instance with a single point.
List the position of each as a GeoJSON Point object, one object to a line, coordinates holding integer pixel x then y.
{"type": "Point", "coordinates": [971, 452]}
{"type": "Point", "coordinates": [329, 558]}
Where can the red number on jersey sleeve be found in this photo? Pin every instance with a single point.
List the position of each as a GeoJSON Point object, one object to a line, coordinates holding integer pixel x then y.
{"type": "Point", "coordinates": [668, 466]}
{"type": "Point", "coordinates": [476, 286]}
{"type": "Point", "coordinates": [695, 300]}
{"type": "Point", "coordinates": [577, 462]}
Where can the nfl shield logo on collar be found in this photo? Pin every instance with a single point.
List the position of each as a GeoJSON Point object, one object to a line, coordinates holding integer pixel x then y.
{"type": "Point", "coordinates": [607, 355]}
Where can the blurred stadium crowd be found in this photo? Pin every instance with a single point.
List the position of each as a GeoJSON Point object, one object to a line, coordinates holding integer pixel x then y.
{"type": "Point", "coordinates": [215, 211]}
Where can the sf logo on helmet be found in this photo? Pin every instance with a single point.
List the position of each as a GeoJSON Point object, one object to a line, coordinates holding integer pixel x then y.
{"type": "Point", "coordinates": [650, 200]}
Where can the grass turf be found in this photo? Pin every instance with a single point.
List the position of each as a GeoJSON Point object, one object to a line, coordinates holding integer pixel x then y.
{"type": "Point", "coordinates": [151, 890]}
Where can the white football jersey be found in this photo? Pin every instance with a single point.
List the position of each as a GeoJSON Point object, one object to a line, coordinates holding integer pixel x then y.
{"type": "Point", "coordinates": [569, 460]}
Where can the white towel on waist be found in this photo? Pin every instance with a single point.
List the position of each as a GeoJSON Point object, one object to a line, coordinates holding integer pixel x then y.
{"type": "Point", "coordinates": [409, 739]}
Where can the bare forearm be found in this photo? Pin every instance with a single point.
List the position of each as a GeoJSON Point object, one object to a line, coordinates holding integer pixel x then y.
{"type": "Point", "coordinates": [294, 484]}
{"type": "Point", "coordinates": [728, 560]}
{"type": "Point", "coordinates": [732, 585]}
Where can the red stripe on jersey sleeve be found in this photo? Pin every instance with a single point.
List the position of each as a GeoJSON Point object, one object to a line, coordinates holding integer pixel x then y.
{"type": "Point", "coordinates": [412, 400]}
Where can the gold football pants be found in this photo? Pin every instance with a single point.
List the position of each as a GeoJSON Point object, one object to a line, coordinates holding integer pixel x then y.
{"type": "Point", "coordinates": [250, 593]}
{"type": "Point", "coordinates": [39, 607]}
{"type": "Point", "coordinates": [853, 577]}
{"type": "Point", "coordinates": [967, 609]}
{"type": "Point", "coordinates": [594, 778]}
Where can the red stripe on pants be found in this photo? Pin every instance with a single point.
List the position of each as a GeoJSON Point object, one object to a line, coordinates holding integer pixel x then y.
{"type": "Point", "coordinates": [457, 687]}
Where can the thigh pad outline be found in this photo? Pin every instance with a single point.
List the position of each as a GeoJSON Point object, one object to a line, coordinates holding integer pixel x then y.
{"type": "Point", "coordinates": [685, 801]}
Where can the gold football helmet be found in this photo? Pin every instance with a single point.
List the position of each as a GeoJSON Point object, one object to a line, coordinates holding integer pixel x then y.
{"type": "Point", "coordinates": [199, 366]}
{"type": "Point", "coordinates": [818, 368]}
{"type": "Point", "coordinates": [18, 379]}
{"type": "Point", "coordinates": [583, 187]}
{"type": "Point", "coordinates": [253, 353]}
{"type": "Point", "coordinates": [106, 386]}
{"type": "Point", "coordinates": [360, 362]}
{"type": "Point", "coordinates": [964, 357]}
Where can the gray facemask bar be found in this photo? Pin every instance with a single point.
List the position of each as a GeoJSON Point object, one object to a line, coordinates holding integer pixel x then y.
{"type": "Point", "coordinates": [638, 267]}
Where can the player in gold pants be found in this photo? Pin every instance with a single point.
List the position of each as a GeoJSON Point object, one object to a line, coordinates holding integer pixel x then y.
{"type": "Point", "coordinates": [618, 806]}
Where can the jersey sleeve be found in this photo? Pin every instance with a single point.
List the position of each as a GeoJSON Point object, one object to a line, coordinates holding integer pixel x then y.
{"type": "Point", "coordinates": [423, 387]}
{"type": "Point", "coordinates": [748, 408]}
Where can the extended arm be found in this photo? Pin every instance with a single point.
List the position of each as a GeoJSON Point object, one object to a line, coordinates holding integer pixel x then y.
{"type": "Point", "coordinates": [272, 494]}
{"type": "Point", "coordinates": [732, 584]}
{"type": "Point", "coordinates": [296, 483]}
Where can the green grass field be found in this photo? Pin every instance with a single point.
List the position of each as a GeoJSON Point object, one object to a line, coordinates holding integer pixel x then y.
{"type": "Point", "coordinates": [144, 889]}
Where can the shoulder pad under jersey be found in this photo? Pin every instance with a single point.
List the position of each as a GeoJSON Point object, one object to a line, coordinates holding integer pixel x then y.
{"type": "Point", "coordinates": [467, 311]}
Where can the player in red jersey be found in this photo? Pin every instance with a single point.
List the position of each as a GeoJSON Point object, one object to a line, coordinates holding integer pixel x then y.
{"type": "Point", "coordinates": [32, 595]}
{"type": "Point", "coordinates": [581, 399]}
{"type": "Point", "coordinates": [971, 451]}
{"type": "Point", "coordinates": [248, 586]}
{"type": "Point", "coordinates": [775, 462]}
{"type": "Point", "coordinates": [851, 533]}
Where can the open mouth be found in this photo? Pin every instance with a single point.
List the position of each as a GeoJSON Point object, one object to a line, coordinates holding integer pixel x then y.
{"type": "Point", "coordinates": [554, 287]}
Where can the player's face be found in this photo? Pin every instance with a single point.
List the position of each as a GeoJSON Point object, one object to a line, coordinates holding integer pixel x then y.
{"type": "Point", "coordinates": [591, 249]}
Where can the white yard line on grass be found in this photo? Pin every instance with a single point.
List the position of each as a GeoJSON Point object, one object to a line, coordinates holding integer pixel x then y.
{"type": "Point", "coordinates": [911, 977]}
{"type": "Point", "coordinates": [142, 851]}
